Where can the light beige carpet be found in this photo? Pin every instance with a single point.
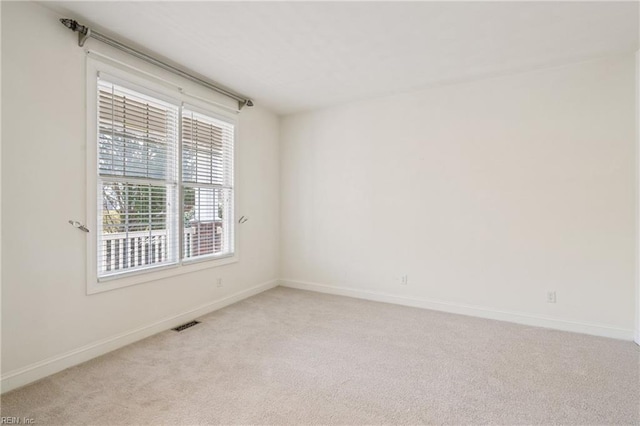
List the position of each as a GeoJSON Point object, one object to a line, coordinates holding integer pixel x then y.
{"type": "Point", "coordinates": [288, 356]}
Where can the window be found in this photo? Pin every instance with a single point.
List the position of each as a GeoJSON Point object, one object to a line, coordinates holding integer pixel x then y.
{"type": "Point", "coordinates": [165, 182]}
{"type": "Point", "coordinates": [207, 182]}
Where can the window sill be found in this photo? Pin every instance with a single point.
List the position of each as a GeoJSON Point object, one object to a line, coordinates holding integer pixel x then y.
{"type": "Point", "coordinates": [144, 276]}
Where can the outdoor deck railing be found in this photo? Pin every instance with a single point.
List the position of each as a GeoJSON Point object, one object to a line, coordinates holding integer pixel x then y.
{"type": "Point", "coordinates": [122, 250]}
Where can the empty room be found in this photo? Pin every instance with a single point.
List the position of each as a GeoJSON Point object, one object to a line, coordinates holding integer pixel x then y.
{"type": "Point", "coordinates": [336, 213]}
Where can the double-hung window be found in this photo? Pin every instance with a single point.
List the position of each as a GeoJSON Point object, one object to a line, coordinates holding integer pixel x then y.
{"type": "Point", "coordinates": [165, 183]}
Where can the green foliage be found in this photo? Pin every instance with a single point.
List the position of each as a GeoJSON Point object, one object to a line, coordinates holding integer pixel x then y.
{"type": "Point", "coordinates": [133, 207]}
{"type": "Point", "coordinates": [189, 203]}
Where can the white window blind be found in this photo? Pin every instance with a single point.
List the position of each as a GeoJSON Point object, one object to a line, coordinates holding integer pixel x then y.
{"type": "Point", "coordinates": [207, 177]}
{"type": "Point", "coordinates": [137, 180]}
{"type": "Point", "coordinates": [164, 196]}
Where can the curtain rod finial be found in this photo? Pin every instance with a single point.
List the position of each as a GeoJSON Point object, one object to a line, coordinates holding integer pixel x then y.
{"type": "Point", "coordinates": [69, 23]}
{"type": "Point", "coordinates": [73, 25]}
{"type": "Point", "coordinates": [244, 103]}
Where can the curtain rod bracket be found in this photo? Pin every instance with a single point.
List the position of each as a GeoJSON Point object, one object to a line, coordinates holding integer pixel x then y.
{"type": "Point", "coordinates": [85, 32]}
{"type": "Point", "coordinates": [82, 37]}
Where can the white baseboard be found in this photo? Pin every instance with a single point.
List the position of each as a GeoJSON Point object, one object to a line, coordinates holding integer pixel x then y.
{"type": "Point", "coordinates": [20, 377]}
{"type": "Point", "coordinates": [476, 311]}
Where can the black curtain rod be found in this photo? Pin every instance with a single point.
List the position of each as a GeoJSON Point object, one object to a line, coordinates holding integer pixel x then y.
{"type": "Point", "coordinates": [85, 32]}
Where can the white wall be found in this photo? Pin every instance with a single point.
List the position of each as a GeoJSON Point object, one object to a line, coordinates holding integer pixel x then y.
{"type": "Point", "coordinates": [637, 296]}
{"type": "Point", "coordinates": [46, 313]}
{"type": "Point", "coordinates": [486, 194]}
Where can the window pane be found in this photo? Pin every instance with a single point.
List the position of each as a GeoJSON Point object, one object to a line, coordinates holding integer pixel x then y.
{"type": "Point", "coordinates": [136, 134]}
{"type": "Point", "coordinates": [136, 227]}
{"type": "Point", "coordinates": [207, 150]}
{"type": "Point", "coordinates": [208, 221]}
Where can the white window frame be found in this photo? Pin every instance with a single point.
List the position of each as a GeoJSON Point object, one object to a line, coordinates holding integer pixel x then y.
{"type": "Point", "coordinates": [153, 86]}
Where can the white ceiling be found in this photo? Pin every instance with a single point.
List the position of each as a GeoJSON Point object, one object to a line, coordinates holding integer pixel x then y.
{"type": "Point", "coordinates": [293, 56]}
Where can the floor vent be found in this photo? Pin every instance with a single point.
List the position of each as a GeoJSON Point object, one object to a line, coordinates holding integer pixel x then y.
{"type": "Point", "coordinates": [185, 326]}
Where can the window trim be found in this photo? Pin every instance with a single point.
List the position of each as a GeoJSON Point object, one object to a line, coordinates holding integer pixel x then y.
{"type": "Point", "coordinates": [154, 86]}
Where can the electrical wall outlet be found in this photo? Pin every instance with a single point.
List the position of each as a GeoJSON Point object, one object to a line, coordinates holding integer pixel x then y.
{"type": "Point", "coordinates": [551, 297]}
{"type": "Point", "coordinates": [219, 282]}
{"type": "Point", "coordinates": [404, 280]}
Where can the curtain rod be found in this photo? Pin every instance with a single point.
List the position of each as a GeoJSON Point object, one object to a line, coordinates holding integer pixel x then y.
{"type": "Point", "coordinates": [85, 32]}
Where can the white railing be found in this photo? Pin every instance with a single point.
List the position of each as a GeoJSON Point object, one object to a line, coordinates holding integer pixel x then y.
{"type": "Point", "coordinates": [126, 250]}
{"type": "Point", "coordinates": [121, 250]}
